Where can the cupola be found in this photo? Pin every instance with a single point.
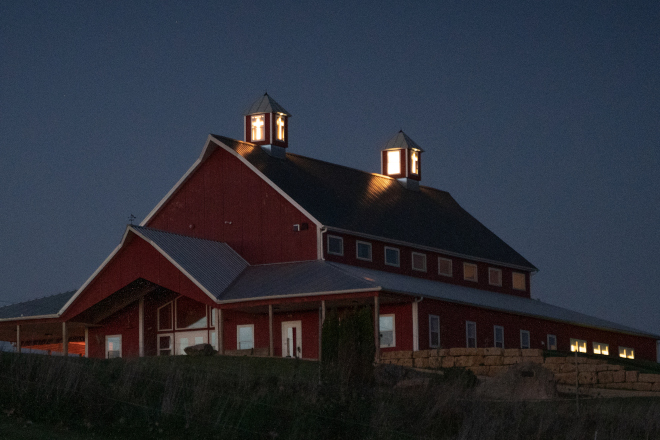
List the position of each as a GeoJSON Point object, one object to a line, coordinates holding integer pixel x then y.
{"type": "Point", "coordinates": [401, 159]}
{"type": "Point", "coordinates": [267, 124]}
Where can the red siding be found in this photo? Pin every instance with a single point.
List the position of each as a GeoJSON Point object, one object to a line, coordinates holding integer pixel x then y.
{"type": "Point", "coordinates": [124, 323]}
{"type": "Point", "coordinates": [405, 267]}
{"type": "Point", "coordinates": [226, 201]}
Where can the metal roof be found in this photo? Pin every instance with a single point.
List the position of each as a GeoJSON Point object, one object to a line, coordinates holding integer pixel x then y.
{"type": "Point", "coordinates": [212, 264]}
{"type": "Point", "coordinates": [48, 305]}
{"type": "Point", "coordinates": [401, 140]}
{"type": "Point", "coordinates": [266, 104]}
{"type": "Point", "coordinates": [300, 278]}
{"type": "Point", "coordinates": [376, 205]}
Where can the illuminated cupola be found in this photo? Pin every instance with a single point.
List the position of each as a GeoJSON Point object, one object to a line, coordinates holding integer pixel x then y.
{"type": "Point", "coordinates": [401, 159]}
{"type": "Point", "coordinates": [266, 124]}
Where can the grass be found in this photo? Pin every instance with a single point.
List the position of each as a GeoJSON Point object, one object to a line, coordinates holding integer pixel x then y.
{"type": "Point", "coordinates": [261, 398]}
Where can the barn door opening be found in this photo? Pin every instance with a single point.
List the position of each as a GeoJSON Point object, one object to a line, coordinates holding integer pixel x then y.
{"type": "Point", "coordinates": [292, 339]}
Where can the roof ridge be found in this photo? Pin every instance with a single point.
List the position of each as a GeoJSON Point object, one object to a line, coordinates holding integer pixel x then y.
{"type": "Point", "coordinates": [176, 233]}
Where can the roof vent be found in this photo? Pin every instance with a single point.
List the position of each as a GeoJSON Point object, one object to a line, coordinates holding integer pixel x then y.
{"type": "Point", "coordinates": [267, 124]}
{"type": "Point", "coordinates": [401, 159]}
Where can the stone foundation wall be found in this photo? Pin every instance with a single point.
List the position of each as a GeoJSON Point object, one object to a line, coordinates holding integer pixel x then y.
{"type": "Point", "coordinates": [493, 361]}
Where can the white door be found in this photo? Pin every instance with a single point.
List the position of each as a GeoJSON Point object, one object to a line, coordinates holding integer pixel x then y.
{"type": "Point", "coordinates": [292, 339]}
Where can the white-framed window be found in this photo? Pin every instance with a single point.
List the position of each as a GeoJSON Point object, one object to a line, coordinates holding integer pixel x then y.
{"type": "Point", "coordinates": [189, 314]}
{"type": "Point", "coordinates": [494, 276]}
{"type": "Point", "coordinates": [394, 162]}
{"type": "Point", "coordinates": [445, 267]}
{"type": "Point", "coordinates": [363, 250]}
{"type": "Point", "coordinates": [164, 317]}
{"type": "Point", "coordinates": [165, 345]}
{"type": "Point", "coordinates": [470, 272]}
{"type": "Point", "coordinates": [392, 256]}
{"type": "Point", "coordinates": [524, 338]}
{"type": "Point", "coordinates": [279, 122]}
{"type": "Point", "coordinates": [245, 336]}
{"type": "Point", "coordinates": [419, 261]}
{"type": "Point", "coordinates": [600, 348]}
{"type": "Point", "coordinates": [578, 345]}
{"type": "Point", "coordinates": [498, 336]}
{"type": "Point", "coordinates": [335, 245]}
{"type": "Point", "coordinates": [258, 128]}
{"type": "Point", "coordinates": [552, 342]}
{"type": "Point", "coordinates": [471, 334]}
{"type": "Point", "coordinates": [112, 346]}
{"type": "Point", "coordinates": [518, 279]}
{"type": "Point", "coordinates": [627, 352]}
{"type": "Point", "coordinates": [434, 331]}
{"type": "Point", "coordinates": [387, 331]}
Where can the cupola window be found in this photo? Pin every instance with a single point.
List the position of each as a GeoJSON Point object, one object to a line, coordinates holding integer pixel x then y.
{"type": "Point", "coordinates": [401, 159]}
{"type": "Point", "coordinates": [414, 162]}
{"type": "Point", "coordinates": [258, 128]}
{"type": "Point", "coordinates": [394, 163]}
{"type": "Point", "coordinates": [280, 128]}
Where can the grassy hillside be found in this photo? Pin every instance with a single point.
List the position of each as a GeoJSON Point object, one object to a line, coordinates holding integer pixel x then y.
{"type": "Point", "coordinates": [257, 398]}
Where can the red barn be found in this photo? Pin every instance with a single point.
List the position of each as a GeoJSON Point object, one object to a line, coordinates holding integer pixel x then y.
{"type": "Point", "coordinates": [254, 244]}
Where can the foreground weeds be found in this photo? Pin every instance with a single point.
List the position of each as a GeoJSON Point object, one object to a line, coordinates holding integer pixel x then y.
{"type": "Point", "coordinates": [250, 398]}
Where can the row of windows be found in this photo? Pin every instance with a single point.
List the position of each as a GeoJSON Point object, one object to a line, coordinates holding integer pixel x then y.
{"type": "Point", "coordinates": [580, 346]}
{"type": "Point", "coordinates": [445, 265]}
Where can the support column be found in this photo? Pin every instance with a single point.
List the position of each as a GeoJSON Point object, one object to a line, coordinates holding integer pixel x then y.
{"type": "Point", "coordinates": [18, 338]}
{"type": "Point", "coordinates": [140, 328]}
{"type": "Point", "coordinates": [321, 322]}
{"type": "Point", "coordinates": [377, 327]}
{"type": "Point", "coordinates": [271, 349]}
{"type": "Point", "coordinates": [65, 340]}
{"type": "Point", "coordinates": [86, 341]}
{"type": "Point", "coordinates": [221, 331]}
{"type": "Point", "coordinates": [415, 325]}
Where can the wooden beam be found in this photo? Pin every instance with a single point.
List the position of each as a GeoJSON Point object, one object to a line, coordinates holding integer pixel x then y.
{"type": "Point", "coordinates": [271, 347]}
{"type": "Point", "coordinates": [377, 327]}
{"type": "Point", "coordinates": [86, 341]}
{"type": "Point", "coordinates": [321, 321]}
{"type": "Point", "coordinates": [18, 338]}
{"type": "Point", "coordinates": [65, 340]}
{"type": "Point", "coordinates": [140, 327]}
{"type": "Point", "coordinates": [415, 325]}
{"type": "Point", "coordinates": [221, 331]}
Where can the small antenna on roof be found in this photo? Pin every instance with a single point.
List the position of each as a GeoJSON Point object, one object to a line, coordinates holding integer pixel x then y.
{"type": "Point", "coordinates": [131, 219]}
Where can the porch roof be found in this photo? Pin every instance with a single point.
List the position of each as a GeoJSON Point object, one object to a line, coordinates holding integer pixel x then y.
{"type": "Point", "coordinates": [47, 306]}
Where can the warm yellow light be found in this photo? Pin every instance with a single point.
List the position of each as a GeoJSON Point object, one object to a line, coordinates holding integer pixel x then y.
{"type": "Point", "coordinates": [280, 128]}
{"type": "Point", "coordinates": [597, 349]}
{"type": "Point", "coordinates": [414, 162]}
{"type": "Point", "coordinates": [394, 162]}
{"type": "Point", "coordinates": [258, 128]}
{"type": "Point", "coordinates": [606, 351]}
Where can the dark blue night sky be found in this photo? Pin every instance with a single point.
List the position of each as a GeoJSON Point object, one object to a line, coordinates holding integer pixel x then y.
{"type": "Point", "coordinates": [542, 119]}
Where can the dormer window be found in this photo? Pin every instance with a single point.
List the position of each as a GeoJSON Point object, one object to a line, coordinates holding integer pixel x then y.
{"type": "Point", "coordinates": [258, 128]}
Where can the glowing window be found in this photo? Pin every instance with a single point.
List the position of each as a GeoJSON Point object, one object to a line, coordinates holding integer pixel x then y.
{"type": "Point", "coordinates": [280, 128]}
{"type": "Point", "coordinates": [499, 336]}
{"type": "Point", "coordinates": [434, 331]}
{"type": "Point", "coordinates": [627, 352]}
{"type": "Point", "coordinates": [386, 331]}
{"type": "Point", "coordinates": [113, 346]}
{"type": "Point", "coordinates": [363, 250]}
{"type": "Point", "coordinates": [524, 339]}
{"type": "Point", "coordinates": [552, 342]}
{"type": "Point", "coordinates": [471, 334]}
{"type": "Point", "coordinates": [391, 256]}
{"type": "Point", "coordinates": [393, 162]}
{"type": "Point", "coordinates": [335, 245]}
{"type": "Point", "coordinates": [469, 272]}
{"type": "Point", "coordinates": [600, 348]}
{"type": "Point", "coordinates": [414, 162]}
{"type": "Point", "coordinates": [245, 336]}
{"type": "Point", "coordinates": [258, 129]}
{"type": "Point", "coordinates": [519, 281]}
{"type": "Point", "coordinates": [578, 345]}
{"type": "Point", "coordinates": [419, 261]}
{"type": "Point", "coordinates": [494, 276]}
{"type": "Point", "coordinates": [444, 267]}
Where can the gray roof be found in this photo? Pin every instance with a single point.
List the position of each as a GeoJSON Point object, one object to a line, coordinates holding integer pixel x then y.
{"type": "Point", "coordinates": [48, 305]}
{"type": "Point", "coordinates": [401, 140]}
{"type": "Point", "coordinates": [266, 104]}
{"type": "Point", "coordinates": [377, 205]}
{"type": "Point", "coordinates": [213, 264]}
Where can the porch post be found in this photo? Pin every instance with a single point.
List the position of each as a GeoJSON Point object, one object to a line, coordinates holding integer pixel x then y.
{"type": "Point", "coordinates": [377, 327]}
{"type": "Point", "coordinates": [18, 338]}
{"type": "Point", "coordinates": [140, 328]}
{"type": "Point", "coordinates": [321, 321]}
{"type": "Point", "coordinates": [65, 340]}
{"type": "Point", "coordinates": [415, 325]}
{"type": "Point", "coordinates": [221, 332]}
{"type": "Point", "coordinates": [271, 350]}
{"type": "Point", "coordinates": [86, 341]}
